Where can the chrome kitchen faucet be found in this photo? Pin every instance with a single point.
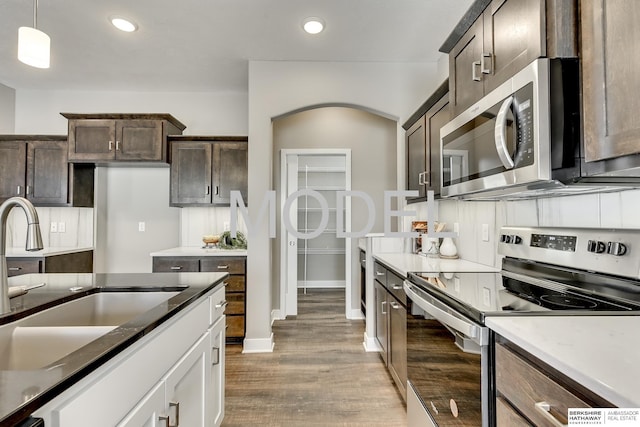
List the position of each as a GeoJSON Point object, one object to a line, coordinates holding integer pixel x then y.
{"type": "Point", "coordinates": [34, 242]}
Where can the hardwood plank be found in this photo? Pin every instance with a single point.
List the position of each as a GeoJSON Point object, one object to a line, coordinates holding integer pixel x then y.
{"type": "Point", "coordinates": [318, 374]}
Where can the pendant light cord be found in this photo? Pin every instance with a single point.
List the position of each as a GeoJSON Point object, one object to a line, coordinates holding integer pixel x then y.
{"type": "Point", "coordinates": [35, 14]}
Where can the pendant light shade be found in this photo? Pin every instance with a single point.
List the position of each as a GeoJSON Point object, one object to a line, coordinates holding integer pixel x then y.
{"type": "Point", "coordinates": [33, 44]}
{"type": "Point", "coordinates": [33, 47]}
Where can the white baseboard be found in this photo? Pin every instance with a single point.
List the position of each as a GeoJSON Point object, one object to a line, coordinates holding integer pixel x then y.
{"type": "Point", "coordinates": [355, 314]}
{"type": "Point", "coordinates": [258, 345]}
{"type": "Point", "coordinates": [276, 315]}
{"type": "Point", "coordinates": [370, 344]}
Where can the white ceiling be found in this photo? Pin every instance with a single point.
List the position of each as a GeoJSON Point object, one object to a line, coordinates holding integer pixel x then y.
{"type": "Point", "coordinates": [205, 45]}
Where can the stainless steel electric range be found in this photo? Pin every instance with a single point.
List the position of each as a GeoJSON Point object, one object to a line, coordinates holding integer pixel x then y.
{"type": "Point", "coordinates": [545, 271]}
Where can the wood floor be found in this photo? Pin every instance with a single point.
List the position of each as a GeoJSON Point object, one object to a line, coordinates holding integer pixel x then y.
{"type": "Point", "coordinates": [318, 374]}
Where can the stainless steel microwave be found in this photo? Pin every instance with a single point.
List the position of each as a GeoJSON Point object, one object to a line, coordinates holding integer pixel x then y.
{"type": "Point", "coordinates": [522, 137]}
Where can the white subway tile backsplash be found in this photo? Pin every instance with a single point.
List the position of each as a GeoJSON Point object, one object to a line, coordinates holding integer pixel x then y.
{"type": "Point", "coordinates": [197, 222]}
{"type": "Point", "coordinates": [78, 227]}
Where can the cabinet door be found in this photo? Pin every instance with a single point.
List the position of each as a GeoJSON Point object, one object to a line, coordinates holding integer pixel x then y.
{"type": "Point", "coordinates": [610, 63]}
{"type": "Point", "coordinates": [230, 171]}
{"type": "Point", "coordinates": [398, 345]}
{"type": "Point", "coordinates": [176, 264]}
{"type": "Point", "coordinates": [149, 411]}
{"type": "Point", "coordinates": [12, 169]}
{"type": "Point", "coordinates": [18, 266]}
{"type": "Point", "coordinates": [92, 139]}
{"type": "Point", "coordinates": [416, 156]}
{"type": "Point", "coordinates": [465, 76]}
{"type": "Point", "coordinates": [186, 386]}
{"type": "Point", "coordinates": [381, 319]}
{"type": "Point", "coordinates": [139, 140]}
{"type": "Point", "coordinates": [514, 35]}
{"type": "Point", "coordinates": [191, 173]}
{"type": "Point", "coordinates": [216, 397]}
{"type": "Point", "coordinates": [47, 172]}
{"type": "Point", "coordinates": [436, 117]}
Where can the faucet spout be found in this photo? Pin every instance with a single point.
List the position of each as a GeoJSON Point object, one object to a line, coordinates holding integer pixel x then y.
{"type": "Point", "coordinates": [34, 242]}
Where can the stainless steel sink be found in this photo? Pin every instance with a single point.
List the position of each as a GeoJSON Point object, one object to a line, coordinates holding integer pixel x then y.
{"type": "Point", "coordinates": [43, 338]}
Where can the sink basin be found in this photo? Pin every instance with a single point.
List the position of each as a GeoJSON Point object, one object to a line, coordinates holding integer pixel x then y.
{"type": "Point", "coordinates": [43, 338]}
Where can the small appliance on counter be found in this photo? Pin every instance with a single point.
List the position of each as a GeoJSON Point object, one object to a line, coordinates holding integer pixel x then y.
{"type": "Point", "coordinates": [419, 227]}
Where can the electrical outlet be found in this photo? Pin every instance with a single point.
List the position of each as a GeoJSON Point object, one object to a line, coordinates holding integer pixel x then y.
{"type": "Point", "coordinates": [486, 296]}
{"type": "Point", "coordinates": [62, 227]}
{"type": "Point", "coordinates": [485, 232]}
{"type": "Point", "coordinates": [53, 227]}
{"type": "Point", "coordinates": [456, 227]}
{"type": "Point", "coordinates": [141, 226]}
{"type": "Point", "coordinates": [226, 226]}
{"type": "Point", "coordinates": [456, 285]}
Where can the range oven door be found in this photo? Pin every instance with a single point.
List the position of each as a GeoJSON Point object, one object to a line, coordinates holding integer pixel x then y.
{"type": "Point", "coordinates": [448, 365]}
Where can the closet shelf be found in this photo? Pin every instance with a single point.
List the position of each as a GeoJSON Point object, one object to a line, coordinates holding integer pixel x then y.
{"type": "Point", "coordinates": [321, 169]}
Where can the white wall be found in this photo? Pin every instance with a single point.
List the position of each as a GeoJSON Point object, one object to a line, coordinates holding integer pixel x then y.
{"type": "Point", "coordinates": [7, 109]}
{"type": "Point", "coordinates": [276, 88]}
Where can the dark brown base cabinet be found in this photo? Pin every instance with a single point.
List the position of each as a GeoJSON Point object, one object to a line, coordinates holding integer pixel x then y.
{"type": "Point", "coordinates": [36, 167]}
{"type": "Point", "coordinates": [74, 262]}
{"type": "Point", "coordinates": [103, 138]}
{"type": "Point", "coordinates": [235, 284]}
{"type": "Point", "coordinates": [529, 392]}
{"type": "Point", "coordinates": [204, 170]}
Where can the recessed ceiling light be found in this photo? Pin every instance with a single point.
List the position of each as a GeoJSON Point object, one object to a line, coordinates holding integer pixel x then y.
{"type": "Point", "coordinates": [123, 24]}
{"type": "Point", "coordinates": [313, 25]}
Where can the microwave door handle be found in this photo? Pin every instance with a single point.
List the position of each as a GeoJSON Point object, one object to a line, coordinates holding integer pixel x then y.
{"type": "Point", "coordinates": [467, 328]}
{"type": "Point", "coordinates": [501, 134]}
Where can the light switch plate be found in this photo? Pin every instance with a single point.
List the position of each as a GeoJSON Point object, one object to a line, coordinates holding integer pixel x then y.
{"type": "Point", "coordinates": [485, 232]}
{"type": "Point", "coordinates": [141, 226]}
{"type": "Point", "coordinates": [62, 227]}
{"type": "Point", "coordinates": [53, 227]}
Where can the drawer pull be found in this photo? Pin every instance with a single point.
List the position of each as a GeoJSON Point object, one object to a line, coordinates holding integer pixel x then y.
{"type": "Point", "coordinates": [379, 274]}
{"type": "Point", "coordinates": [223, 267]}
{"type": "Point", "coordinates": [164, 418]}
{"type": "Point", "coordinates": [545, 409]}
{"type": "Point", "coordinates": [15, 268]}
{"type": "Point", "coordinates": [176, 267]}
{"type": "Point", "coordinates": [396, 287]}
{"type": "Point", "coordinates": [394, 305]}
{"type": "Point", "coordinates": [222, 304]}
{"type": "Point", "coordinates": [215, 351]}
{"type": "Point", "coordinates": [177, 406]}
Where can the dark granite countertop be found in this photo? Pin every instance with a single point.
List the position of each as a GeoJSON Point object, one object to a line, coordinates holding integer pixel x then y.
{"type": "Point", "coordinates": [24, 391]}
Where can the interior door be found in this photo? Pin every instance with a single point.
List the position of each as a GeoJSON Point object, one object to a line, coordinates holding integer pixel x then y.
{"type": "Point", "coordinates": [291, 257]}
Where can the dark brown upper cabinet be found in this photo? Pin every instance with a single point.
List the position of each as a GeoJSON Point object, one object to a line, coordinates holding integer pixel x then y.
{"type": "Point", "coordinates": [499, 38]}
{"type": "Point", "coordinates": [204, 170]}
{"type": "Point", "coordinates": [96, 138]}
{"type": "Point", "coordinates": [36, 167]}
{"type": "Point", "coordinates": [422, 139]}
{"type": "Point", "coordinates": [610, 89]}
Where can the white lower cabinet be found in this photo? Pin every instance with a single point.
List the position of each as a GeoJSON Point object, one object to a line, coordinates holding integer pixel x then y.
{"type": "Point", "coordinates": [216, 398]}
{"type": "Point", "coordinates": [173, 377]}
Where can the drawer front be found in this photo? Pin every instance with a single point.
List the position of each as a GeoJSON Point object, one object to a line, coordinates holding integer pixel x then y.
{"type": "Point", "coordinates": [506, 416]}
{"type": "Point", "coordinates": [217, 305]}
{"type": "Point", "coordinates": [175, 265]}
{"type": "Point", "coordinates": [235, 326]}
{"type": "Point", "coordinates": [235, 283]}
{"type": "Point", "coordinates": [523, 386]}
{"type": "Point", "coordinates": [235, 303]}
{"type": "Point", "coordinates": [18, 267]}
{"type": "Point", "coordinates": [394, 285]}
{"type": "Point", "coordinates": [380, 273]}
{"type": "Point", "coordinates": [231, 265]}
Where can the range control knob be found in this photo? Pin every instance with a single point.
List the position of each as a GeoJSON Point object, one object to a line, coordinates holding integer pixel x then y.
{"type": "Point", "coordinates": [616, 248]}
{"type": "Point", "coordinates": [505, 238]}
{"type": "Point", "coordinates": [596, 246]}
{"type": "Point", "coordinates": [516, 240]}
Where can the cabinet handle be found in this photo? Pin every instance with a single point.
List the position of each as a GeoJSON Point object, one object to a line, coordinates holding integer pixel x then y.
{"type": "Point", "coordinates": [420, 180]}
{"type": "Point", "coordinates": [382, 307]}
{"type": "Point", "coordinates": [394, 305]}
{"type": "Point", "coordinates": [483, 69]}
{"type": "Point", "coordinates": [217, 190]}
{"type": "Point", "coordinates": [425, 180]}
{"type": "Point", "coordinates": [19, 190]}
{"type": "Point", "coordinates": [15, 268]}
{"type": "Point", "coordinates": [217, 353]}
{"type": "Point", "coordinates": [27, 190]}
{"type": "Point", "coordinates": [165, 419]}
{"type": "Point", "coordinates": [208, 190]}
{"type": "Point", "coordinates": [222, 304]}
{"type": "Point", "coordinates": [474, 76]}
{"type": "Point", "coordinates": [176, 267]}
{"type": "Point", "coordinates": [110, 145]}
{"type": "Point", "coordinates": [544, 409]}
{"type": "Point", "coordinates": [379, 274]}
{"type": "Point", "coordinates": [396, 287]}
{"type": "Point", "coordinates": [223, 267]}
{"type": "Point", "coordinates": [117, 145]}
{"type": "Point", "coordinates": [177, 406]}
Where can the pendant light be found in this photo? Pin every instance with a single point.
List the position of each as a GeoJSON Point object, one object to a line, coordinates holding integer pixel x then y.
{"type": "Point", "coordinates": [33, 44]}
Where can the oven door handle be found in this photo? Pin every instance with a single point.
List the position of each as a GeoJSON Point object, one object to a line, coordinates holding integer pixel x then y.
{"type": "Point", "coordinates": [474, 331]}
